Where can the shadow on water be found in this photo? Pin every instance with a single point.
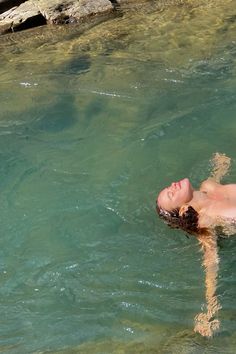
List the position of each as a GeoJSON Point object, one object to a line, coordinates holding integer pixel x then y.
{"type": "Point", "coordinates": [63, 114]}
{"type": "Point", "coordinates": [58, 117]}
{"type": "Point", "coordinates": [77, 65]}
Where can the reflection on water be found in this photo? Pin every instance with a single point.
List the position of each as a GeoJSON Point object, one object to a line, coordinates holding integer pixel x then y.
{"type": "Point", "coordinates": [92, 126]}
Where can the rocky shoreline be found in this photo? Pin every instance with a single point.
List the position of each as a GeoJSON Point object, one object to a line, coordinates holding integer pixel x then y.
{"type": "Point", "coordinates": [18, 15]}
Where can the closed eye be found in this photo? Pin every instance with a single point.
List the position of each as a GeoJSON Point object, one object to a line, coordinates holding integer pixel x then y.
{"type": "Point", "coordinates": [170, 195]}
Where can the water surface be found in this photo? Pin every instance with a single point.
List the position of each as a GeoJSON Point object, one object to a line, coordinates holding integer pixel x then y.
{"type": "Point", "coordinates": [93, 124]}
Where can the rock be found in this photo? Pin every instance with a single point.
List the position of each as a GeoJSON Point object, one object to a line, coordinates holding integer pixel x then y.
{"type": "Point", "coordinates": [34, 13]}
{"type": "Point", "coordinates": [7, 4]}
{"type": "Point", "coordinates": [72, 11]}
{"type": "Point", "coordinates": [24, 16]}
{"type": "Point", "coordinates": [123, 4]}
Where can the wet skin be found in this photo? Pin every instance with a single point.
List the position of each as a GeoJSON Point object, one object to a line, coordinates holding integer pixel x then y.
{"type": "Point", "coordinates": [212, 201]}
{"type": "Point", "coordinates": [177, 194]}
{"type": "Point", "coordinates": [216, 206]}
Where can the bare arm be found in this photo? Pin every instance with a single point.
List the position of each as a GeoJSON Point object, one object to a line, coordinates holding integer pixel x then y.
{"type": "Point", "coordinates": [220, 166]}
{"type": "Point", "coordinates": [205, 323]}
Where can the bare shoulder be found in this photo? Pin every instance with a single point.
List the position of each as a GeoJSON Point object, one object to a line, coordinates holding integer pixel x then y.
{"type": "Point", "coordinates": [219, 215]}
{"type": "Point", "coordinates": [209, 185]}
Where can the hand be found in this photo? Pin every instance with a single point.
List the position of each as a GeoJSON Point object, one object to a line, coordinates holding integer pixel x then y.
{"type": "Point", "coordinates": [221, 165]}
{"type": "Point", "coordinates": [205, 326]}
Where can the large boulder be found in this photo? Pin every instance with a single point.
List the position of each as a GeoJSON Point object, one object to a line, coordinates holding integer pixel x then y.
{"type": "Point", "coordinates": [21, 17]}
{"type": "Point", "coordinates": [34, 13]}
{"type": "Point", "coordinates": [58, 11]}
{"type": "Point", "coordinates": [7, 4]}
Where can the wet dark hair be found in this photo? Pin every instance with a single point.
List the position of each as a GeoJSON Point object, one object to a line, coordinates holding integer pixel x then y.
{"type": "Point", "coordinates": [188, 221]}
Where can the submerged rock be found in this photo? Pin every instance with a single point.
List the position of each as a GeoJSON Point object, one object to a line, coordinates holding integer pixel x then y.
{"type": "Point", "coordinates": [31, 13]}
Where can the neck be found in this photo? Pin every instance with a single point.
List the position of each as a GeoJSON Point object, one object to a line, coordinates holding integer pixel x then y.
{"type": "Point", "coordinates": [199, 200]}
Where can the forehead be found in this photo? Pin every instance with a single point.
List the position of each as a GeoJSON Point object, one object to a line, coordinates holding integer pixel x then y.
{"type": "Point", "coordinates": [162, 197]}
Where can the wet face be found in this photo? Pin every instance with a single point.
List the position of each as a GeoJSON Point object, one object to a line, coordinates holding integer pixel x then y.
{"type": "Point", "coordinates": [174, 196]}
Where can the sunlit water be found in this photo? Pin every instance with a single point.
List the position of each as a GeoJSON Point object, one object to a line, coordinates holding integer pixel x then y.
{"type": "Point", "coordinates": [92, 126]}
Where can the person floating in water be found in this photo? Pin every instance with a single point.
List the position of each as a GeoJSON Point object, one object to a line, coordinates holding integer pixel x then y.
{"type": "Point", "coordinates": [207, 213]}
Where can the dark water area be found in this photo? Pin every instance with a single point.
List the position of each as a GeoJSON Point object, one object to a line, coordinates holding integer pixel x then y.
{"type": "Point", "coordinates": [92, 126]}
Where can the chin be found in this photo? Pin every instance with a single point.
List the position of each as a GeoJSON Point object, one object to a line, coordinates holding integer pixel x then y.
{"type": "Point", "coordinates": [185, 181]}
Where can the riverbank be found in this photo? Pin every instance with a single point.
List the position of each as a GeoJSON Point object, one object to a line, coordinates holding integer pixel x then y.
{"type": "Point", "coordinates": [18, 15]}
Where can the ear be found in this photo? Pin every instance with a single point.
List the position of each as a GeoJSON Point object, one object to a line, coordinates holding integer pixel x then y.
{"type": "Point", "coordinates": [183, 209]}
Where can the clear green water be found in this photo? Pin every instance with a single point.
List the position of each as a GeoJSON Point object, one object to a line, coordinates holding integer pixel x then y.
{"type": "Point", "coordinates": [92, 126]}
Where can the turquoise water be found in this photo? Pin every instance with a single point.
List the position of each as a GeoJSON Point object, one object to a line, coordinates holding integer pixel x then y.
{"type": "Point", "coordinates": [91, 129]}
